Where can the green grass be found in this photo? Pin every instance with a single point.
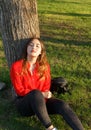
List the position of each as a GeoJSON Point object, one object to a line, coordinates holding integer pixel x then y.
{"type": "Point", "coordinates": [65, 27]}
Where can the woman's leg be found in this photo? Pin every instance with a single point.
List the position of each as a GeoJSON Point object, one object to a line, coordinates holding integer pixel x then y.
{"type": "Point", "coordinates": [34, 103]}
{"type": "Point", "coordinates": [57, 106]}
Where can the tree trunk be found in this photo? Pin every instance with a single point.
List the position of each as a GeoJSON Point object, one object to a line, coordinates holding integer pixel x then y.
{"type": "Point", "coordinates": [19, 22]}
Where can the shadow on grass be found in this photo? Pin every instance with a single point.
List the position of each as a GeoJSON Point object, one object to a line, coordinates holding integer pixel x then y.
{"type": "Point", "coordinates": [15, 125]}
{"type": "Point", "coordinates": [9, 117]}
{"type": "Point", "coordinates": [69, 14]}
{"type": "Point", "coordinates": [69, 2]}
{"type": "Point", "coordinates": [70, 42]}
{"type": "Point", "coordinates": [62, 32]}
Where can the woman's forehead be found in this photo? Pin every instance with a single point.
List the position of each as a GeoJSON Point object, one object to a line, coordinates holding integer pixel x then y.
{"type": "Point", "coordinates": [35, 41]}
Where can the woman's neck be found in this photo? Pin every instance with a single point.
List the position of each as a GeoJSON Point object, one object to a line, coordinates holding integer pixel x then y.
{"type": "Point", "coordinates": [32, 60]}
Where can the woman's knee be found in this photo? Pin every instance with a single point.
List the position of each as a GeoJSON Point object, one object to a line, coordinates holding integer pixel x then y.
{"type": "Point", "coordinates": [62, 106]}
{"type": "Point", "coordinates": [35, 92]}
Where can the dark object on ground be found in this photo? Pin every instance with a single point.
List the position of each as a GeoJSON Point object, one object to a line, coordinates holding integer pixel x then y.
{"type": "Point", "coordinates": [2, 85]}
{"type": "Point", "coordinates": [59, 85]}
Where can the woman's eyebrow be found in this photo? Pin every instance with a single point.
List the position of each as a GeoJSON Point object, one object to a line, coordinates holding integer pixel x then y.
{"type": "Point", "coordinates": [38, 43]}
{"type": "Point", "coordinates": [34, 43]}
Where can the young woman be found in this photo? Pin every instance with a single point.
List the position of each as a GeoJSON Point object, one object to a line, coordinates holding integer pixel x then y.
{"type": "Point", "coordinates": [31, 79]}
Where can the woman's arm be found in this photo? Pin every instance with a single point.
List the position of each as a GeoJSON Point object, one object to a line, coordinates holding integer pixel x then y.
{"type": "Point", "coordinates": [46, 89]}
{"type": "Point", "coordinates": [16, 81]}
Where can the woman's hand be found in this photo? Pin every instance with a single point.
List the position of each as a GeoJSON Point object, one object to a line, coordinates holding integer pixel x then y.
{"type": "Point", "coordinates": [47, 94]}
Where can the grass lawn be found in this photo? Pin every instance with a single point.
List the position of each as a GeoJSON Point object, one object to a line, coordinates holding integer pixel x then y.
{"type": "Point", "coordinates": [65, 27]}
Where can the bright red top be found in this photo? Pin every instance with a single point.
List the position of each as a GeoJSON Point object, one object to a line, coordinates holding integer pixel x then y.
{"type": "Point", "coordinates": [25, 82]}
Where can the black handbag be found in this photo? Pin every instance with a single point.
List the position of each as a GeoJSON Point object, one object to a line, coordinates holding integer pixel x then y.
{"type": "Point", "coordinates": [59, 85]}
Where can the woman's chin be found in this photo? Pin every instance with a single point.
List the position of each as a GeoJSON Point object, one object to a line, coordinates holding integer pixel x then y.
{"type": "Point", "coordinates": [33, 55]}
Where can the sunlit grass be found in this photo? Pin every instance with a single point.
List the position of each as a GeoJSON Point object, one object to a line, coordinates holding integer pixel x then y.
{"type": "Point", "coordinates": [65, 27]}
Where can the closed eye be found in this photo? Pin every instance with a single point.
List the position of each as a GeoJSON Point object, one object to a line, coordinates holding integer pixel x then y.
{"type": "Point", "coordinates": [38, 45]}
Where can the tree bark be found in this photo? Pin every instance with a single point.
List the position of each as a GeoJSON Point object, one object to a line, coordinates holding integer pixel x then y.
{"type": "Point", "coordinates": [18, 22]}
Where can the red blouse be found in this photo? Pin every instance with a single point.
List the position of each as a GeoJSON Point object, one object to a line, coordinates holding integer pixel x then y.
{"type": "Point", "coordinates": [25, 82]}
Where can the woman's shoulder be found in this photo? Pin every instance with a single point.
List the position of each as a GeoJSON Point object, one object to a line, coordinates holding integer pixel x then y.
{"type": "Point", "coordinates": [48, 65]}
{"type": "Point", "coordinates": [47, 68]}
{"type": "Point", "coordinates": [17, 64]}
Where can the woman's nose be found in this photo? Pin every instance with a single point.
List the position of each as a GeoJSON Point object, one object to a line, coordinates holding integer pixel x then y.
{"type": "Point", "coordinates": [33, 46]}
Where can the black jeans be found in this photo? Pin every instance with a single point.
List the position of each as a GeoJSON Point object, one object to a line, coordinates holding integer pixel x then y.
{"type": "Point", "coordinates": [34, 103]}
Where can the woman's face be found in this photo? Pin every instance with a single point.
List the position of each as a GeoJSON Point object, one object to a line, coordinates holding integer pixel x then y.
{"type": "Point", "coordinates": [34, 48]}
